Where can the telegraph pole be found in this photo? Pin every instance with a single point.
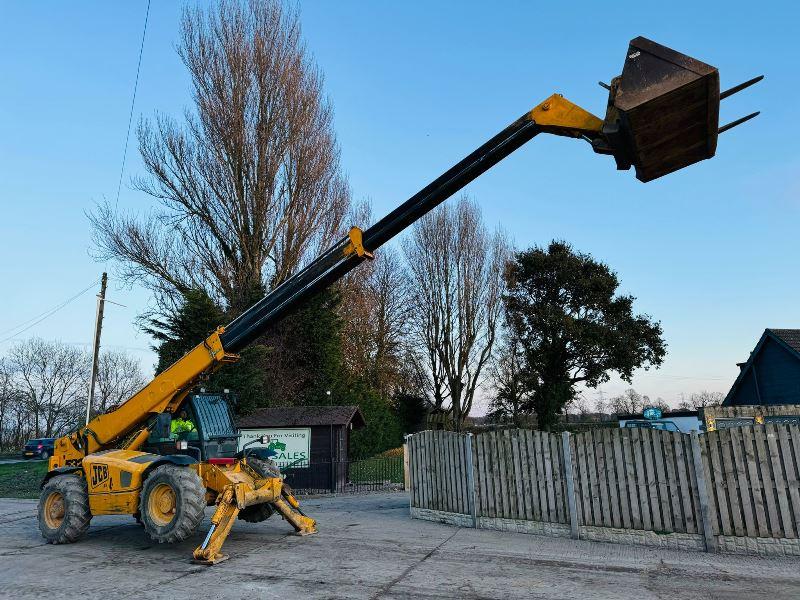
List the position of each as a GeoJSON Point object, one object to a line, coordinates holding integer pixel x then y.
{"type": "Point", "coordinates": [98, 326]}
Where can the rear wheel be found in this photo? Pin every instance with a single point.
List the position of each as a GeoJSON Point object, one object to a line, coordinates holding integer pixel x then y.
{"type": "Point", "coordinates": [265, 468]}
{"type": "Point", "coordinates": [64, 509]}
{"type": "Point", "coordinates": [256, 513]}
{"type": "Point", "coordinates": [172, 503]}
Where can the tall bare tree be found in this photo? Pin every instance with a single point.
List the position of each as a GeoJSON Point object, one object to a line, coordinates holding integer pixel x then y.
{"type": "Point", "coordinates": [375, 313]}
{"type": "Point", "coordinates": [456, 268]}
{"type": "Point", "coordinates": [510, 394]}
{"type": "Point", "coordinates": [119, 376]}
{"type": "Point", "coordinates": [9, 395]}
{"type": "Point", "coordinates": [54, 380]}
{"type": "Point", "coordinates": [248, 186]}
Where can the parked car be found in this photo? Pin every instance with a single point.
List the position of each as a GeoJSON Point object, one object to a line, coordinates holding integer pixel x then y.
{"type": "Point", "coordinates": [38, 448]}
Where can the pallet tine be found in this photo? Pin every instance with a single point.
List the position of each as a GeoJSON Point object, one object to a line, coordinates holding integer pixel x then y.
{"type": "Point", "coordinates": [738, 88]}
{"type": "Point", "coordinates": [738, 122]}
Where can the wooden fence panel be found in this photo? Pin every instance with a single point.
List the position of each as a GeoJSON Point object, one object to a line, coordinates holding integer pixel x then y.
{"type": "Point", "coordinates": [742, 482]}
{"type": "Point", "coordinates": [482, 476]}
{"type": "Point", "coordinates": [639, 479]}
{"type": "Point", "coordinates": [685, 482]}
{"type": "Point", "coordinates": [642, 484]}
{"type": "Point", "coordinates": [767, 487]}
{"type": "Point", "coordinates": [784, 526]}
{"type": "Point", "coordinates": [533, 474]}
{"type": "Point", "coordinates": [792, 480]}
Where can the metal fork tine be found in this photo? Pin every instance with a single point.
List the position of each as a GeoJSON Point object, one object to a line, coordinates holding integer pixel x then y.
{"type": "Point", "coordinates": [733, 124]}
{"type": "Point", "coordinates": [740, 87]}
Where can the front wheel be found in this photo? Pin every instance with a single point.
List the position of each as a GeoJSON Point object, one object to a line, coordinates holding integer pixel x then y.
{"type": "Point", "coordinates": [64, 513]}
{"type": "Point", "coordinates": [172, 503]}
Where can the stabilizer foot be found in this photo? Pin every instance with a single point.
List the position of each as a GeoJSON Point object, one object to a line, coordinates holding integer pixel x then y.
{"type": "Point", "coordinates": [218, 558]}
{"type": "Point", "coordinates": [304, 532]}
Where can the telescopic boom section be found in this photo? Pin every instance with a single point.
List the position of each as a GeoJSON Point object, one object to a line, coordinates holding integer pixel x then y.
{"type": "Point", "coordinates": [127, 426]}
{"type": "Point", "coordinates": [555, 115]}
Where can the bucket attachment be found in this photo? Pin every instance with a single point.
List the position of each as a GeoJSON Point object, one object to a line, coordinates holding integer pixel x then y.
{"type": "Point", "coordinates": [663, 111]}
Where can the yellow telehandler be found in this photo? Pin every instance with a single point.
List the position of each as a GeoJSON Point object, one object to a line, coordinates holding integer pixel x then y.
{"type": "Point", "coordinates": [662, 115]}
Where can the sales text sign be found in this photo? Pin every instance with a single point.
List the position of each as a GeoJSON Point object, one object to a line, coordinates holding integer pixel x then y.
{"type": "Point", "coordinates": [293, 446]}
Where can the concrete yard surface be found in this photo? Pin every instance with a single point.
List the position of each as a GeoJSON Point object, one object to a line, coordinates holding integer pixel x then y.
{"type": "Point", "coordinates": [367, 547]}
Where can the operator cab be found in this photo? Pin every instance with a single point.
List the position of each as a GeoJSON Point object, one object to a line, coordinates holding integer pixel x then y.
{"type": "Point", "coordinates": [202, 428]}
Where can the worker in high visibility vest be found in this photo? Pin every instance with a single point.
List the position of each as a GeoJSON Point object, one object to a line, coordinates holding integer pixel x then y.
{"type": "Point", "coordinates": [181, 426]}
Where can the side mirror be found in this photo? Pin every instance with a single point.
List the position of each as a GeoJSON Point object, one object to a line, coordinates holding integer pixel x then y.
{"type": "Point", "coordinates": [264, 440]}
{"type": "Point", "coordinates": [163, 425]}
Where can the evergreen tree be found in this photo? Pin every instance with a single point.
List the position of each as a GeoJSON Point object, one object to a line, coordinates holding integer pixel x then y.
{"type": "Point", "coordinates": [573, 327]}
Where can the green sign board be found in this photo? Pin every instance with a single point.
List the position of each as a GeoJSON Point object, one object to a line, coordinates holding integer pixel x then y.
{"type": "Point", "coordinates": [293, 446]}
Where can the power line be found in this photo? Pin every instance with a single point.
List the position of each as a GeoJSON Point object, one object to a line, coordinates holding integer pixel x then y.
{"type": "Point", "coordinates": [46, 314]}
{"type": "Point", "coordinates": [133, 103]}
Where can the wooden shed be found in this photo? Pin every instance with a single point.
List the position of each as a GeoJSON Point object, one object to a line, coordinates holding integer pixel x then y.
{"type": "Point", "coordinates": [313, 442]}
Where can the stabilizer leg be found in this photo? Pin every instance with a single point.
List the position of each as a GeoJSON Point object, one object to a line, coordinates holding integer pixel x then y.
{"type": "Point", "coordinates": [209, 552]}
{"type": "Point", "coordinates": [289, 508]}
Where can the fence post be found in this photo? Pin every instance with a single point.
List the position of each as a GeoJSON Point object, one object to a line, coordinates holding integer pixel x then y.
{"type": "Point", "coordinates": [573, 509]}
{"type": "Point", "coordinates": [702, 493]}
{"type": "Point", "coordinates": [406, 472]}
{"type": "Point", "coordinates": [473, 506]}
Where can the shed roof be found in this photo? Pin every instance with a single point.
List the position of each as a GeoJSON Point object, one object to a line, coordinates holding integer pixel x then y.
{"type": "Point", "coordinates": [303, 416]}
{"type": "Point", "coordinates": [790, 337]}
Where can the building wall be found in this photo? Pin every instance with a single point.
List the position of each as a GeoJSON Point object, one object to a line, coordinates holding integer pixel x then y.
{"type": "Point", "coordinates": [321, 447]}
{"type": "Point", "coordinates": [776, 371]}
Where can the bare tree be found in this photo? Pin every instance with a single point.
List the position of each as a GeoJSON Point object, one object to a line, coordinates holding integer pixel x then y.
{"type": "Point", "coordinates": [509, 390]}
{"type": "Point", "coordinates": [456, 268]}
{"type": "Point", "coordinates": [54, 379]}
{"type": "Point", "coordinates": [375, 315]}
{"type": "Point", "coordinates": [701, 400]}
{"type": "Point", "coordinates": [249, 185]}
{"type": "Point", "coordinates": [374, 311]}
{"type": "Point", "coordinates": [9, 399]}
{"type": "Point", "coordinates": [119, 376]}
{"type": "Point", "coordinates": [631, 402]}
{"type": "Point", "coordinates": [577, 406]}
{"type": "Point", "coordinates": [628, 402]}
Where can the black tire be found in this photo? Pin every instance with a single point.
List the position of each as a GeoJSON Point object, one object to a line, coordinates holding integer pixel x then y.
{"type": "Point", "coordinates": [265, 468]}
{"type": "Point", "coordinates": [257, 513]}
{"type": "Point", "coordinates": [43, 455]}
{"type": "Point", "coordinates": [64, 513]}
{"type": "Point", "coordinates": [172, 520]}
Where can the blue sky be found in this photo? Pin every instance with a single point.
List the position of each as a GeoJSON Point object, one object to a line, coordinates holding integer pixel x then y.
{"type": "Point", "coordinates": [710, 251]}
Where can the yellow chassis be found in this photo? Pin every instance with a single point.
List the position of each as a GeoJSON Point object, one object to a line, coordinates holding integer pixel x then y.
{"type": "Point", "coordinates": [114, 479]}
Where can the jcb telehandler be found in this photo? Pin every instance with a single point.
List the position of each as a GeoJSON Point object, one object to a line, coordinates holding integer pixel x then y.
{"type": "Point", "coordinates": [662, 115]}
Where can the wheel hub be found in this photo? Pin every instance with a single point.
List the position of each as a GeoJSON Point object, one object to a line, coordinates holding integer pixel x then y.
{"type": "Point", "coordinates": [162, 504]}
{"type": "Point", "coordinates": [54, 510]}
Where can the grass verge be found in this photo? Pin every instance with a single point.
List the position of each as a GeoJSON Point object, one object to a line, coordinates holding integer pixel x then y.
{"type": "Point", "coordinates": [377, 470]}
{"type": "Point", "coordinates": [21, 480]}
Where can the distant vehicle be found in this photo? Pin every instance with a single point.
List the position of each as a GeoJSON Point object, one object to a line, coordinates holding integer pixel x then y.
{"type": "Point", "coordinates": [683, 421]}
{"type": "Point", "coordinates": [662, 425]}
{"type": "Point", "coordinates": [38, 448]}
